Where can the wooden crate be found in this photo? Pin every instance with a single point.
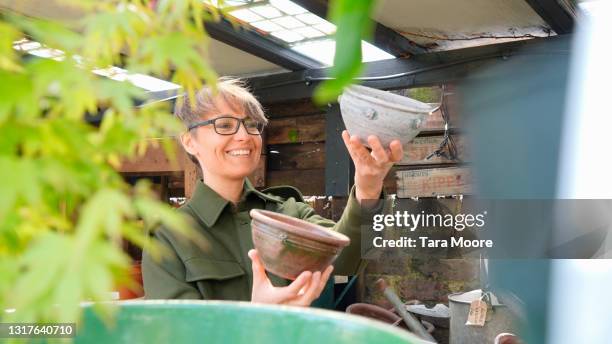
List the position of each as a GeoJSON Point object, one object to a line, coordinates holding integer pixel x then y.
{"type": "Point", "coordinates": [417, 151]}
{"type": "Point", "coordinates": [434, 182]}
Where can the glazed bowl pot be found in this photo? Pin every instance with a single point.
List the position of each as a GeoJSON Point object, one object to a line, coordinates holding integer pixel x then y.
{"type": "Point", "coordinates": [368, 111]}
{"type": "Point", "coordinates": [288, 246]}
{"type": "Point", "coordinates": [198, 321]}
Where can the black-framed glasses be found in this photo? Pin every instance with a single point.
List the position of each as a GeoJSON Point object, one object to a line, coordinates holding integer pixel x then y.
{"type": "Point", "coordinates": [229, 125]}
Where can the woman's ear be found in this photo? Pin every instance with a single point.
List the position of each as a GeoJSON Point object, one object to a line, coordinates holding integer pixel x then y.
{"type": "Point", "coordinates": [188, 142]}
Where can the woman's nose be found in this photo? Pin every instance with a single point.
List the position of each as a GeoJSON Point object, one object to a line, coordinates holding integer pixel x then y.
{"type": "Point", "coordinates": [242, 132]}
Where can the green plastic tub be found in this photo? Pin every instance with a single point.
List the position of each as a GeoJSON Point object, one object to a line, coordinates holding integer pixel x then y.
{"type": "Point", "coordinates": [233, 322]}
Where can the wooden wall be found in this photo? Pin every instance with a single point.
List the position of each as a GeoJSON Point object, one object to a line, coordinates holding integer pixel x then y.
{"type": "Point", "coordinates": [294, 154]}
{"type": "Point", "coordinates": [295, 145]}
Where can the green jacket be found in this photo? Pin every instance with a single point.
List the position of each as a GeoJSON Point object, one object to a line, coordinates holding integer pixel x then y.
{"type": "Point", "coordinates": [222, 270]}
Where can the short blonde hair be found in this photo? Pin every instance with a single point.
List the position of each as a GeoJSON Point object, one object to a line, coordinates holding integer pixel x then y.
{"type": "Point", "coordinates": [234, 92]}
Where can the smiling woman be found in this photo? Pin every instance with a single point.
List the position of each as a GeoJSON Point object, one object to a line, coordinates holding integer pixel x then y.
{"type": "Point", "coordinates": [223, 136]}
{"type": "Point", "coordinates": [219, 113]}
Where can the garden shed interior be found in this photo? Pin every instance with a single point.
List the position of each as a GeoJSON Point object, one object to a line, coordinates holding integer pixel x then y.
{"type": "Point", "coordinates": [418, 48]}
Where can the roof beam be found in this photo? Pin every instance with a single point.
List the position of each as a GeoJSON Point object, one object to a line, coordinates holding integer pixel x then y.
{"type": "Point", "coordinates": [384, 38]}
{"type": "Point", "coordinates": [554, 15]}
{"type": "Point", "coordinates": [418, 71]}
{"type": "Point", "coordinates": [255, 44]}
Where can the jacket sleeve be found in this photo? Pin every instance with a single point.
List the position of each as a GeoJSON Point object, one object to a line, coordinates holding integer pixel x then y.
{"type": "Point", "coordinates": [165, 278]}
{"type": "Point", "coordinates": [350, 225]}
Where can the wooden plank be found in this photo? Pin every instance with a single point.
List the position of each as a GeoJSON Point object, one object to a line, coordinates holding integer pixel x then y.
{"type": "Point", "coordinates": [309, 182]}
{"type": "Point", "coordinates": [258, 177]}
{"type": "Point", "coordinates": [434, 122]}
{"type": "Point", "coordinates": [296, 156]}
{"type": "Point", "coordinates": [192, 174]}
{"type": "Point", "coordinates": [294, 108]}
{"type": "Point", "coordinates": [155, 160]}
{"type": "Point", "coordinates": [417, 151]}
{"type": "Point", "coordinates": [390, 181]}
{"type": "Point", "coordinates": [296, 129]}
{"type": "Point", "coordinates": [434, 182]}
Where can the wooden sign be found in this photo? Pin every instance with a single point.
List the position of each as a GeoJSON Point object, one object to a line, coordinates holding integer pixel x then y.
{"type": "Point", "coordinates": [417, 151]}
{"type": "Point", "coordinates": [434, 182]}
{"type": "Point", "coordinates": [435, 122]}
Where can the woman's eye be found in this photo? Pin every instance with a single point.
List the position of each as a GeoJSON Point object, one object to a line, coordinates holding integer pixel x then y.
{"type": "Point", "coordinates": [225, 125]}
{"type": "Point", "coordinates": [251, 124]}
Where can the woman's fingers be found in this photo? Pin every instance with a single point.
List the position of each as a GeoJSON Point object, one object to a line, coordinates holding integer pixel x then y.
{"type": "Point", "coordinates": [383, 155]}
{"type": "Point", "coordinates": [347, 142]}
{"type": "Point", "coordinates": [397, 151]}
{"type": "Point", "coordinates": [378, 152]}
{"type": "Point", "coordinates": [259, 272]}
{"type": "Point", "coordinates": [359, 149]}
{"type": "Point", "coordinates": [352, 144]}
{"type": "Point", "coordinates": [292, 290]}
{"type": "Point", "coordinates": [314, 289]}
{"type": "Point", "coordinates": [325, 276]}
{"type": "Point", "coordinates": [309, 293]}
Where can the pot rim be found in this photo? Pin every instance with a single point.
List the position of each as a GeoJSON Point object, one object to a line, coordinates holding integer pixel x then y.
{"type": "Point", "coordinates": [354, 90]}
{"type": "Point", "coordinates": [314, 232]}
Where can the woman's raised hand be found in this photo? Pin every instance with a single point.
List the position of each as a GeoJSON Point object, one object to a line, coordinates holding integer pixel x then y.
{"type": "Point", "coordinates": [371, 167]}
{"type": "Point", "coordinates": [302, 292]}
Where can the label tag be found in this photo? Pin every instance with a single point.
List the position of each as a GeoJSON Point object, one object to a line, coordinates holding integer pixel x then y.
{"type": "Point", "coordinates": [478, 313]}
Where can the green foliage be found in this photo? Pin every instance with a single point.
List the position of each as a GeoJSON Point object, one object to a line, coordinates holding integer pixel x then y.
{"type": "Point", "coordinates": [63, 207]}
{"type": "Point", "coordinates": [352, 19]}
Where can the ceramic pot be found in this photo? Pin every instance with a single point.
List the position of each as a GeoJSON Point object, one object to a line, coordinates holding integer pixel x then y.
{"type": "Point", "coordinates": [288, 246]}
{"type": "Point", "coordinates": [378, 313]}
{"type": "Point", "coordinates": [197, 321]}
{"type": "Point", "coordinates": [368, 111]}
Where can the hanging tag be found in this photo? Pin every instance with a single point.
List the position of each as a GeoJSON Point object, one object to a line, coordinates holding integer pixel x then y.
{"type": "Point", "coordinates": [478, 313]}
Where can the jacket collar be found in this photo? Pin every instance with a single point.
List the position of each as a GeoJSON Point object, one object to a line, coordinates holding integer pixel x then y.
{"type": "Point", "coordinates": [209, 205]}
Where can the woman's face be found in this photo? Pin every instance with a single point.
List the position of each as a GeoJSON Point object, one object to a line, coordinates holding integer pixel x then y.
{"type": "Point", "coordinates": [224, 156]}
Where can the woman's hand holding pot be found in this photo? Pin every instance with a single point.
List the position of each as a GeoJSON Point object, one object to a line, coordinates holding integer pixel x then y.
{"type": "Point", "coordinates": [306, 288]}
{"type": "Point", "coordinates": [371, 168]}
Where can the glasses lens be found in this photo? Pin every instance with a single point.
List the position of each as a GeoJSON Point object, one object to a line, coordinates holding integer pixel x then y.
{"type": "Point", "coordinates": [253, 127]}
{"type": "Point", "coordinates": [226, 125]}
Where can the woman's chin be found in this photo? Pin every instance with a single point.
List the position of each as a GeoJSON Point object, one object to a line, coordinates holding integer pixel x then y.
{"type": "Point", "coordinates": [241, 174]}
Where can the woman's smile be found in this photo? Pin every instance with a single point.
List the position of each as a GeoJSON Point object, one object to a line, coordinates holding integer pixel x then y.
{"type": "Point", "coordinates": [239, 153]}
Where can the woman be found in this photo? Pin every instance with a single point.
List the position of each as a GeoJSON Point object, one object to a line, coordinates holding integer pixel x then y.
{"type": "Point", "coordinates": [224, 137]}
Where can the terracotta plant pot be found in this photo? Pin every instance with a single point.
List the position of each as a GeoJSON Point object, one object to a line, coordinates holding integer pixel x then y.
{"type": "Point", "coordinates": [368, 111]}
{"type": "Point", "coordinates": [374, 312]}
{"type": "Point", "coordinates": [384, 315]}
{"type": "Point", "coordinates": [289, 246]}
{"type": "Point", "coordinates": [135, 290]}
